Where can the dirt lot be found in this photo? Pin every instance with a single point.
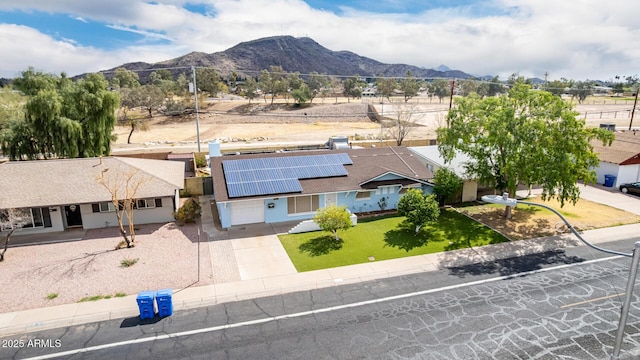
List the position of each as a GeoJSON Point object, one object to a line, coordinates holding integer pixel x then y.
{"type": "Point", "coordinates": [167, 258]}
{"type": "Point", "coordinates": [239, 124]}
{"type": "Point", "coordinates": [533, 221]}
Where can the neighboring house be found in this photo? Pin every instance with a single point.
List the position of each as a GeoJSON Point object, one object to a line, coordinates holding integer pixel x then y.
{"type": "Point", "coordinates": [278, 187]}
{"type": "Point", "coordinates": [621, 159]}
{"type": "Point", "coordinates": [68, 193]}
{"type": "Point", "coordinates": [430, 157]}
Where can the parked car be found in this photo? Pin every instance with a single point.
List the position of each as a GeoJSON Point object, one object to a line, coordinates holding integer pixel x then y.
{"type": "Point", "coordinates": [631, 188]}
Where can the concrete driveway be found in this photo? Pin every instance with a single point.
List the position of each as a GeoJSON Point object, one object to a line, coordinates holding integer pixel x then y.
{"type": "Point", "coordinates": [611, 197]}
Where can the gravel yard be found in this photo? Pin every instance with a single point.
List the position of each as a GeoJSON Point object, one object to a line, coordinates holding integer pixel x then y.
{"type": "Point", "coordinates": [166, 253]}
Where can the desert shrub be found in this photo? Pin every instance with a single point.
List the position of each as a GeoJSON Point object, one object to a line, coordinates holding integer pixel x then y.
{"type": "Point", "coordinates": [189, 212]}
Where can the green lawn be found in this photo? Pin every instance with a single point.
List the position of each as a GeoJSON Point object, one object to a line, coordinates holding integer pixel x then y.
{"type": "Point", "coordinates": [385, 238]}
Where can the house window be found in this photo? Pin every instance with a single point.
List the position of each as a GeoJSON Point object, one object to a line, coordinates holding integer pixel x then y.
{"type": "Point", "coordinates": [106, 206]}
{"type": "Point", "coordinates": [145, 203]}
{"type": "Point", "coordinates": [303, 204]}
{"type": "Point", "coordinates": [31, 218]}
{"type": "Point", "coordinates": [363, 195]}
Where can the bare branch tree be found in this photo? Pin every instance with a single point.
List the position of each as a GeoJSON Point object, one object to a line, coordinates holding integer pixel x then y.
{"type": "Point", "coordinates": [402, 123]}
{"type": "Point", "coordinates": [10, 221]}
{"type": "Point", "coordinates": [123, 186]}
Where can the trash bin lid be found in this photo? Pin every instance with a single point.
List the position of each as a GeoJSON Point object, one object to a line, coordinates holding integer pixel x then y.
{"type": "Point", "coordinates": [145, 295]}
{"type": "Point", "coordinates": [164, 293]}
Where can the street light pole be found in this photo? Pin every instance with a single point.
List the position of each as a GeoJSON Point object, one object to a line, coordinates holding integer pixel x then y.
{"type": "Point", "coordinates": [624, 312]}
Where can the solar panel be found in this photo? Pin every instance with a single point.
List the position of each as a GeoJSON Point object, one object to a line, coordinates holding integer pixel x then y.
{"type": "Point", "coordinates": [277, 175]}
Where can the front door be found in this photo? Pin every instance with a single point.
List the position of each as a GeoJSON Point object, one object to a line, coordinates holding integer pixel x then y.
{"type": "Point", "coordinates": [72, 213]}
{"type": "Point", "coordinates": [330, 199]}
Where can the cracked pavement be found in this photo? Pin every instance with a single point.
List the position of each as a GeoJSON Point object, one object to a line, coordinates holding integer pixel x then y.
{"type": "Point", "coordinates": [567, 313]}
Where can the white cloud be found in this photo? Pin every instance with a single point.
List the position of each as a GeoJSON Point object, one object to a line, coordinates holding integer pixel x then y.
{"type": "Point", "coordinates": [594, 39]}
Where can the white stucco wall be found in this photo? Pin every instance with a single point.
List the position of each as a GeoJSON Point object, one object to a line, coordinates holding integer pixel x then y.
{"type": "Point", "coordinates": [91, 220]}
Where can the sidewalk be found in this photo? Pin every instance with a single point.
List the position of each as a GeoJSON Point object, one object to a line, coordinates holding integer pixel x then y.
{"type": "Point", "coordinates": [115, 308]}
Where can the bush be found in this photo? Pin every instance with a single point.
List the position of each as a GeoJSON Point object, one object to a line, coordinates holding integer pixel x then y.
{"type": "Point", "coordinates": [189, 212]}
{"type": "Point", "coordinates": [128, 262]}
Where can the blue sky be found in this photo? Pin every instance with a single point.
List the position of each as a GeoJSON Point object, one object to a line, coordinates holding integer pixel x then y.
{"type": "Point", "coordinates": [579, 39]}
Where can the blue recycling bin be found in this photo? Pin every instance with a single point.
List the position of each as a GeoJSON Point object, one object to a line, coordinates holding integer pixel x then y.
{"type": "Point", "coordinates": [165, 303]}
{"type": "Point", "coordinates": [609, 180]}
{"type": "Point", "coordinates": [146, 305]}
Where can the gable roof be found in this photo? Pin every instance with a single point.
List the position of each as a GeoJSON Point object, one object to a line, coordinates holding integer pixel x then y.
{"type": "Point", "coordinates": [368, 164]}
{"type": "Point", "coordinates": [432, 154]}
{"type": "Point", "coordinates": [77, 181]}
{"type": "Point", "coordinates": [624, 150]}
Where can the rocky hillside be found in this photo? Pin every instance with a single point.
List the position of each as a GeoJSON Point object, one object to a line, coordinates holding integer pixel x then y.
{"type": "Point", "coordinates": [303, 55]}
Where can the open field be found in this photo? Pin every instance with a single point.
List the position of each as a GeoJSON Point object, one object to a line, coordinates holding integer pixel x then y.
{"type": "Point", "coordinates": [240, 125]}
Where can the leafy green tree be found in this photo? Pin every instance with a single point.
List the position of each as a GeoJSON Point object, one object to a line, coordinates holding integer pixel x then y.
{"type": "Point", "coordinates": [11, 107]}
{"type": "Point", "coordinates": [409, 86]}
{"type": "Point", "coordinates": [418, 208]}
{"type": "Point", "coordinates": [209, 81]}
{"type": "Point", "coordinates": [62, 118]}
{"type": "Point", "coordinates": [250, 89]}
{"type": "Point", "coordinates": [386, 86]}
{"type": "Point", "coordinates": [302, 94]}
{"type": "Point", "coordinates": [333, 218]}
{"type": "Point", "coordinates": [124, 78]}
{"type": "Point", "coordinates": [447, 185]}
{"type": "Point", "coordinates": [556, 87]}
{"type": "Point", "coordinates": [317, 83]}
{"type": "Point", "coordinates": [581, 89]}
{"type": "Point", "coordinates": [351, 88]}
{"type": "Point", "coordinates": [526, 137]}
{"type": "Point", "coordinates": [441, 88]}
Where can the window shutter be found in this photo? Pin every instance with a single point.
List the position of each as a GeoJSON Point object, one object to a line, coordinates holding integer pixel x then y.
{"type": "Point", "coordinates": [95, 208]}
{"type": "Point", "coordinates": [158, 202]}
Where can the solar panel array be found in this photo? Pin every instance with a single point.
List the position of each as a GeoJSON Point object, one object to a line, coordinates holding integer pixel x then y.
{"type": "Point", "coordinates": [279, 175]}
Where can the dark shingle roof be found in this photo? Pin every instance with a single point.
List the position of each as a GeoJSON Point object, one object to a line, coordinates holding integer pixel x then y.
{"type": "Point", "coordinates": [367, 165]}
{"type": "Point", "coordinates": [624, 150]}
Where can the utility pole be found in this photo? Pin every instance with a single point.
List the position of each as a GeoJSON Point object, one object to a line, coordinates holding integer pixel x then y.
{"type": "Point", "coordinates": [195, 96]}
{"type": "Point", "coordinates": [453, 83]}
{"type": "Point", "coordinates": [635, 102]}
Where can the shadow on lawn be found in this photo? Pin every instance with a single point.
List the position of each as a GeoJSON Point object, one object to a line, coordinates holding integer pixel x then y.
{"type": "Point", "coordinates": [405, 238]}
{"type": "Point", "coordinates": [320, 245]}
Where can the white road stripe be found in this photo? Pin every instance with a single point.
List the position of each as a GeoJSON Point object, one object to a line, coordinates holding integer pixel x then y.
{"type": "Point", "coordinates": [306, 313]}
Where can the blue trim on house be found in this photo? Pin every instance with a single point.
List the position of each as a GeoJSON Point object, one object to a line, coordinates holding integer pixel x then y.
{"type": "Point", "coordinates": [276, 209]}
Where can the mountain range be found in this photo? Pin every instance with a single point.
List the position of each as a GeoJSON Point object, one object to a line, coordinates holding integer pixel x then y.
{"type": "Point", "coordinates": [302, 55]}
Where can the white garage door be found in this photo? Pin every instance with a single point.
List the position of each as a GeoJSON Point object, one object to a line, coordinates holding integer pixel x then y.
{"type": "Point", "coordinates": [247, 212]}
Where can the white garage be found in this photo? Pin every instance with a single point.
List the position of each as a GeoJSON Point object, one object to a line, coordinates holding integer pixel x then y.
{"type": "Point", "coordinates": [247, 212]}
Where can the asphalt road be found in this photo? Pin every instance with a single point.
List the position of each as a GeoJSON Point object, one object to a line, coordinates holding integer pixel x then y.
{"type": "Point", "coordinates": [567, 308]}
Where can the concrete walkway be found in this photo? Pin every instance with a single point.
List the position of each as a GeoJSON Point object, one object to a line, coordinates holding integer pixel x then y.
{"type": "Point", "coordinates": [250, 262]}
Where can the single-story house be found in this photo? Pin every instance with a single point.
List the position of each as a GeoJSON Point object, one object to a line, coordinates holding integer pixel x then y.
{"type": "Point", "coordinates": [430, 157]}
{"type": "Point", "coordinates": [70, 193]}
{"type": "Point", "coordinates": [279, 187]}
{"type": "Point", "coordinates": [621, 159]}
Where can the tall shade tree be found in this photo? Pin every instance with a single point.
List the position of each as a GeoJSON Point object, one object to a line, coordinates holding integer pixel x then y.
{"type": "Point", "coordinates": [409, 86]}
{"type": "Point", "coordinates": [440, 88]}
{"type": "Point", "coordinates": [386, 86]}
{"type": "Point", "coordinates": [316, 84]}
{"type": "Point", "coordinates": [526, 137]}
{"type": "Point", "coordinates": [124, 78]}
{"type": "Point", "coordinates": [333, 218]}
{"type": "Point", "coordinates": [62, 118]}
{"type": "Point", "coordinates": [418, 208]}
